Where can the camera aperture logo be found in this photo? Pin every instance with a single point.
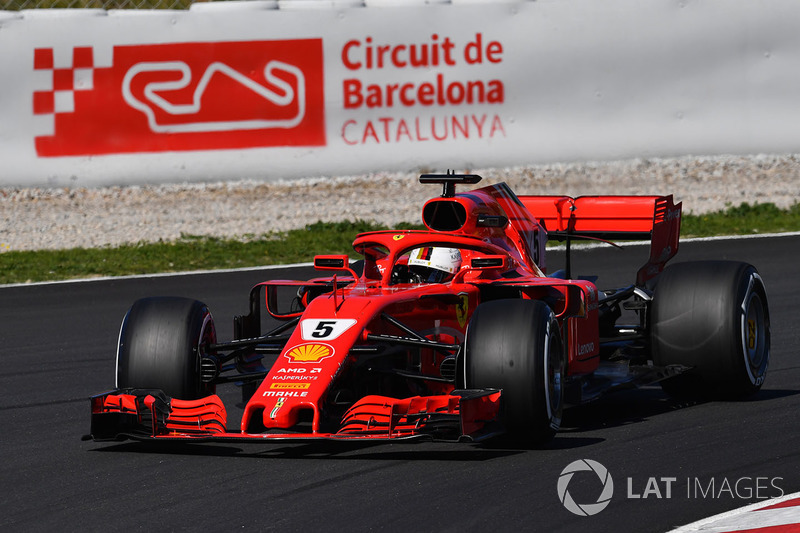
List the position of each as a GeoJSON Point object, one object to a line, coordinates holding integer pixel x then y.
{"type": "Point", "coordinates": [603, 476]}
{"type": "Point", "coordinates": [594, 478]}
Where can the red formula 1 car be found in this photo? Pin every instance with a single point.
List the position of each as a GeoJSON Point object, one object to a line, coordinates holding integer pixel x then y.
{"type": "Point", "coordinates": [453, 333]}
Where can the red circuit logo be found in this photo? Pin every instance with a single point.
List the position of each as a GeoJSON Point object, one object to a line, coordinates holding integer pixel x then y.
{"type": "Point", "coordinates": [182, 96]}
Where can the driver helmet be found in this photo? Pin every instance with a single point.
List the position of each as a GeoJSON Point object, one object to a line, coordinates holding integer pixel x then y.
{"type": "Point", "coordinates": [434, 264]}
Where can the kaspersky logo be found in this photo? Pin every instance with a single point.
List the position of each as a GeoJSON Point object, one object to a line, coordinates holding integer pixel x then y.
{"type": "Point", "coordinates": [180, 96]}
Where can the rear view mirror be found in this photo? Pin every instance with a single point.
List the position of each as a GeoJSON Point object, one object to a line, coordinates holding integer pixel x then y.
{"type": "Point", "coordinates": [340, 263]}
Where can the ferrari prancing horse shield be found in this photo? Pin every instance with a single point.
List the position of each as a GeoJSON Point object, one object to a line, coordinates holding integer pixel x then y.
{"type": "Point", "coordinates": [462, 308]}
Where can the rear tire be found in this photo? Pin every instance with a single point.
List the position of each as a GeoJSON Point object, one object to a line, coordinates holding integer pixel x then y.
{"type": "Point", "coordinates": [515, 345]}
{"type": "Point", "coordinates": [712, 316]}
{"type": "Point", "coordinates": [160, 345]}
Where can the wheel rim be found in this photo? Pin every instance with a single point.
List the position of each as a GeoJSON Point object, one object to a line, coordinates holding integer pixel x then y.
{"type": "Point", "coordinates": [754, 337]}
{"type": "Point", "coordinates": [208, 335]}
{"type": "Point", "coordinates": [553, 377]}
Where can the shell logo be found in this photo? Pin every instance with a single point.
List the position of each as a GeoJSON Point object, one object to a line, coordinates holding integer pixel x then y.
{"type": "Point", "coordinates": [309, 353]}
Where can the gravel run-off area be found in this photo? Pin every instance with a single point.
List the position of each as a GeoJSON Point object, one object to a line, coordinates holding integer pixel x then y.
{"type": "Point", "coordinates": [38, 218]}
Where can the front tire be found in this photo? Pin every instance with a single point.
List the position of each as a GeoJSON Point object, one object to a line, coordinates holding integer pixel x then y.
{"type": "Point", "coordinates": [160, 346]}
{"type": "Point", "coordinates": [515, 345]}
{"type": "Point", "coordinates": [712, 316]}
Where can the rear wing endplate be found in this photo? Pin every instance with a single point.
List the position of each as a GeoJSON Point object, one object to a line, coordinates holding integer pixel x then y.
{"type": "Point", "coordinates": [655, 218]}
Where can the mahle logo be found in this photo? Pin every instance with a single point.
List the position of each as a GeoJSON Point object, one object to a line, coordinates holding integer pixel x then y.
{"type": "Point", "coordinates": [585, 509]}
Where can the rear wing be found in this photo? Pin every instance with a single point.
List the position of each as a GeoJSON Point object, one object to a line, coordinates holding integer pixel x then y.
{"type": "Point", "coordinates": [654, 218]}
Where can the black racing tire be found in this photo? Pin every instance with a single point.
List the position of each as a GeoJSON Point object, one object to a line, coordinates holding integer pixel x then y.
{"type": "Point", "coordinates": [515, 345]}
{"type": "Point", "coordinates": [160, 343]}
{"type": "Point", "coordinates": [712, 316]}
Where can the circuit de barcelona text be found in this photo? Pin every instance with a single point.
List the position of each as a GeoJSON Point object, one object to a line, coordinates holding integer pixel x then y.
{"type": "Point", "coordinates": [384, 130]}
{"type": "Point", "coordinates": [416, 94]}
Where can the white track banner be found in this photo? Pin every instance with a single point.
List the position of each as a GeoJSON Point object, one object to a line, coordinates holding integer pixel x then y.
{"type": "Point", "coordinates": [268, 90]}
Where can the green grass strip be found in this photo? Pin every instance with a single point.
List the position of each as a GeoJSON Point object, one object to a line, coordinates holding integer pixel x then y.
{"type": "Point", "coordinates": [186, 254]}
{"type": "Point", "coordinates": [745, 219]}
{"type": "Point", "coordinates": [295, 246]}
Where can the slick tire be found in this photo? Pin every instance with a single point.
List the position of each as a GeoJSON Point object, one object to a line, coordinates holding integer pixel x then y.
{"type": "Point", "coordinates": [712, 316]}
{"type": "Point", "coordinates": [160, 343]}
{"type": "Point", "coordinates": [515, 345]}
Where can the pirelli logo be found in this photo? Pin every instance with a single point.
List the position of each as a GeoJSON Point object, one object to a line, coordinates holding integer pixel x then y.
{"type": "Point", "coordinates": [289, 386]}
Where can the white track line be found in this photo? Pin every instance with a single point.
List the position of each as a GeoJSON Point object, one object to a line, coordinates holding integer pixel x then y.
{"type": "Point", "coordinates": [583, 245]}
{"type": "Point", "coordinates": [158, 275]}
{"type": "Point", "coordinates": [745, 518]}
{"type": "Point", "coordinates": [273, 267]}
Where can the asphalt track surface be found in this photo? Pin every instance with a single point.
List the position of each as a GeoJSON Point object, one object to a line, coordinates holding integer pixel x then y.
{"type": "Point", "coordinates": [58, 343]}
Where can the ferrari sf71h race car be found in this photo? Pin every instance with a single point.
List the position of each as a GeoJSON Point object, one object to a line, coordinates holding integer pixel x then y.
{"type": "Point", "coordinates": [454, 333]}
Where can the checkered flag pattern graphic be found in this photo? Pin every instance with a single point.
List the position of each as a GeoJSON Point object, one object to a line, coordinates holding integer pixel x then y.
{"type": "Point", "coordinates": [66, 80]}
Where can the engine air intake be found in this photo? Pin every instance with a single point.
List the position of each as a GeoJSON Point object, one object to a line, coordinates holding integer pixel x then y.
{"type": "Point", "coordinates": [444, 215]}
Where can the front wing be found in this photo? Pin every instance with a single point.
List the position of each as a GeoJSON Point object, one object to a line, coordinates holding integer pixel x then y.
{"type": "Point", "coordinates": [462, 416]}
